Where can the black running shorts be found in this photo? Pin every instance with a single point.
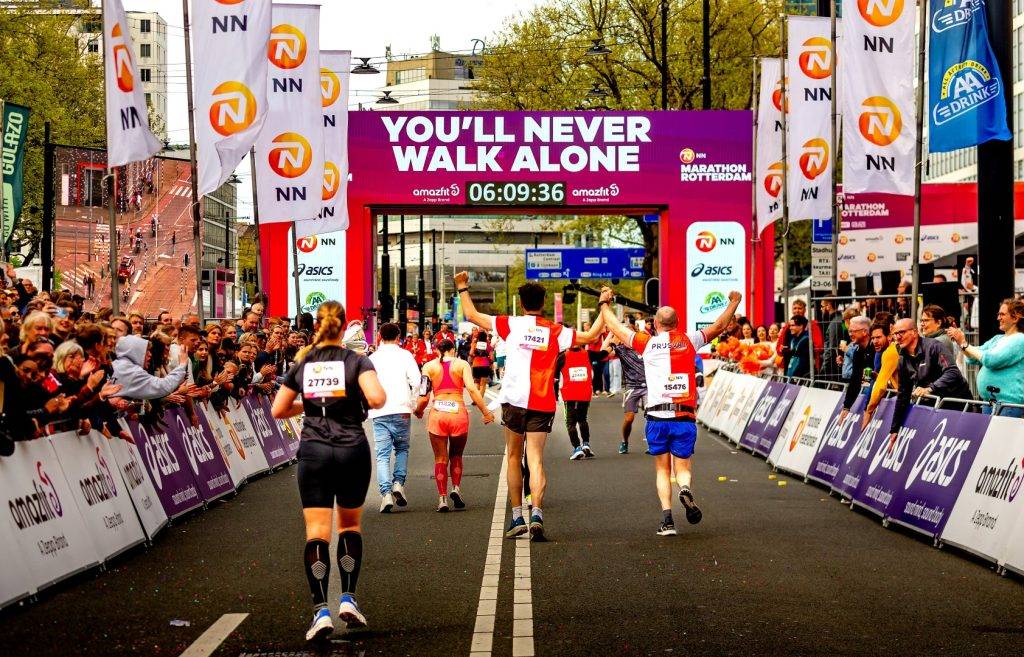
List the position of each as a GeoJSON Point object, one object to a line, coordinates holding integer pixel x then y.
{"type": "Point", "coordinates": [333, 474]}
{"type": "Point", "coordinates": [523, 420]}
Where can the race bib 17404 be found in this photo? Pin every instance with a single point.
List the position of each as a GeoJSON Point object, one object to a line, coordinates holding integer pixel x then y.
{"type": "Point", "coordinates": [324, 379]}
{"type": "Point", "coordinates": [536, 338]}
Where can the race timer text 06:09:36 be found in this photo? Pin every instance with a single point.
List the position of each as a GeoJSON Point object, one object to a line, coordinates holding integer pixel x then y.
{"type": "Point", "coordinates": [513, 193]}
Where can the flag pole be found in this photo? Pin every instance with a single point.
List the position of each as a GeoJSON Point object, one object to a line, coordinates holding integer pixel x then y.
{"type": "Point", "coordinates": [115, 292]}
{"type": "Point", "coordinates": [922, 31]}
{"type": "Point", "coordinates": [197, 241]}
{"type": "Point", "coordinates": [836, 211]}
{"type": "Point", "coordinates": [295, 266]}
{"type": "Point", "coordinates": [785, 171]}
{"type": "Point", "coordinates": [256, 220]}
{"type": "Point", "coordinates": [755, 237]}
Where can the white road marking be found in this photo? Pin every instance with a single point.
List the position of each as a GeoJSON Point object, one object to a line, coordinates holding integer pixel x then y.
{"type": "Point", "coordinates": [483, 631]}
{"type": "Point", "coordinates": [522, 602]}
{"type": "Point", "coordinates": [214, 635]}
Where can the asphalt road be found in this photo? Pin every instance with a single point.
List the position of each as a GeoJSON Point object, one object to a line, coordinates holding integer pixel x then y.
{"type": "Point", "coordinates": [771, 570]}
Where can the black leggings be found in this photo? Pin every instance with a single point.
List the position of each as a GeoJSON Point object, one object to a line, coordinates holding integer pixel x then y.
{"type": "Point", "coordinates": [333, 474]}
{"type": "Point", "coordinates": [576, 414]}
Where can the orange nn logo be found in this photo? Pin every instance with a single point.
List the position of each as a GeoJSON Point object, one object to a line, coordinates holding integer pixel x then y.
{"type": "Point", "coordinates": [287, 46]}
{"type": "Point", "coordinates": [290, 155]}
{"type": "Point", "coordinates": [233, 108]}
{"type": "Point", "coordinates": [880, 121]}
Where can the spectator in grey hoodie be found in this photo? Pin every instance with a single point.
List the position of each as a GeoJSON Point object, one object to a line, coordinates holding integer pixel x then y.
{"type": "Point", "coordinates": [132, 356]}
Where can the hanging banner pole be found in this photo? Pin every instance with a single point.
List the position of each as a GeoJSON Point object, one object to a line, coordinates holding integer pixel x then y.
{"type": "Point", "coordinates": [256, 221]}
{"type": "Point", "coordinates": [922, 35]}
{"type": "Point", "coordinates": [785, 176]}
{"type": "Point", "coordinates": [755, 236]}
{"type": "Point", "coordinates": [836, 207]}
{"type": "Point", "coordinates": [197, 240]}
{"type": "Point", "coordinates": [295, 265]}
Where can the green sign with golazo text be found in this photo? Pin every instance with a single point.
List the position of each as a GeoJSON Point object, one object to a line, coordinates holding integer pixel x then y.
{"type": "Point", "coordinates": [15, 134]}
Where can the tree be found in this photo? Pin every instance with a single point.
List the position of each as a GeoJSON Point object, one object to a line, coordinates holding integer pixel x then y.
{"type": "Point", "coordinates": [46, 68]}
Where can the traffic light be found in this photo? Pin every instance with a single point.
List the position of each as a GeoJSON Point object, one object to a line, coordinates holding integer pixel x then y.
{"type": "Point", "coordinates": [387, 306]}
{"type": "Point", "coordinates": [569, 294]}
{"type": "Point", "coordinates": [652, 292]}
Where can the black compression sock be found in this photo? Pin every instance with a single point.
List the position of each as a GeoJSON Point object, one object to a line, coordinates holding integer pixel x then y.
{"type": "Point", "coordinates": [666, 516]}
{"type": "Point", "coordinates": [350, 558]}
{"type": "Point", "coordinates": [317, 558]}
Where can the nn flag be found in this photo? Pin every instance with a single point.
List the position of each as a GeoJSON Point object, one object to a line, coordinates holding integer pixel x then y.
{"type": "Point", "coordinates": [289, 150]}
{"type": "Point", "coordinates": [768, 158]}
{"type": "Point", "coordinates": [129, 138]}
{"type": "Point", "coordinates": [966, 97]}
{"type": "Point", "coordinates": [231, 84]}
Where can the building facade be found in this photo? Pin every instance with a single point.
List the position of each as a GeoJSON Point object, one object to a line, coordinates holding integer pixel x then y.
{"type": "Point", "coordinates": [436, 81]}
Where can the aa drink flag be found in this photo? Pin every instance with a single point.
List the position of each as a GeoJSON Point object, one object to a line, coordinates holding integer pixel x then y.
{"type": "Point", "coordinates": [231, 84]}
{"type": "Point", "coordinates": [966, 98]}
{"type": "Point", "coordinates": [129, 138]}
{"type": "Point", "coordinates": [769, 165]}
{"type": "Point", "coordinates": [289, 151]}
{"type": "Point", "coordinates": [809, 70]}
{"type": "Point", "coordinates": [334, 95]}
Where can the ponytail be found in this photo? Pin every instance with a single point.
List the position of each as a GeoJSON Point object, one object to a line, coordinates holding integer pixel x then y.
{"type": "Point", "coordinates": [331, 321]}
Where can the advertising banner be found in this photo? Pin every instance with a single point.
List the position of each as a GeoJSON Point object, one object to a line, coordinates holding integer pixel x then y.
{"type": "Point", "coordinates": [231, 96]}
{"type": "Point", "coordinates": [768, 160]}
{"type": "Point", "coordinates": [836, 443]}
{"type": "Point", "coordinates": [133, 474]}
{"type": "Point", "coordinates": [260, 421]}
{"type": "Point", "coordinates": [1014, 555]}
{"type": "Point", "coordinates": [724, 405]}
{"type": "Point", "coordinates": [165, 460]}
{"type": "Point", "coordinates": [743, 407]}
{"type": "Point", "coordinates": [262, 402]}
{"type": "Point", "coordinates": [237, 423]}
{"type": "Point", "coordinates": [851, 470]}
{"type": "Point", "coordinates": [15, 578]}
{"type": "Point", "coordinates": [15, 135]}
{"type": "Point", "coordinates": [717, 264]}
{"type": "Point", "coordinates": [809, 126]}
{"type": "Point", "coordinates": [42, 515]}
{"type": "Point", "coordinates": [760, 413]}
{"type": "Point", "coordinates": [321, 271]}
{"type": "Point", "coordinates": [798, 446]}
{"type": "Point", "coordinates": [990, 507]}
{"type": "Point", "coordinates": [794, 420]}
{"type": "Point", "coordinates": [104, 504]}
{"type": "Point", "coordinates": [291, 433]}
{"type": "Point", "coordinates": [222, 439]}
{"type": "Point", "coordinates": [129, 138]}
{"type": "Point", "coordinates": [768, 433]}
{"type": "Point", "coordinates": [966, 98]}
{"type": "Point", "coordinates": [290, 148]}
{"type": "Point", "coordinates": [715, 396]}
{"type": "Point", "coordinates": [877, 55]}
{"type": "Point", "coordinates": [203, 458]}
{"type": "Point", "coordinates": [334, 95]}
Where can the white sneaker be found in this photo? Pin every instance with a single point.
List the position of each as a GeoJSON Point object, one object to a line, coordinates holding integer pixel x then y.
{"type": "Point", "coordinates": [398, 491]}
{"type": "Point", "coordinates": [387, 503]}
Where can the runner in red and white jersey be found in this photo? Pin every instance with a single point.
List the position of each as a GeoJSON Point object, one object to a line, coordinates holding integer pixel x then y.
{"type": "Point", "coordinates": [670, 368]}
{"type": "Point", "coordinates": [527, 390]}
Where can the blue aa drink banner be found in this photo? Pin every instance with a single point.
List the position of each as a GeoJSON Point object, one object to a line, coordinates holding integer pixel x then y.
{"type": "Point", "coordinates": [966, 98]}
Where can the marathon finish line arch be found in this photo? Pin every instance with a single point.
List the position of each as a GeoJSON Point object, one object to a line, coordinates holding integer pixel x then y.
{"type": "Point", "coordinates": [693, 169]}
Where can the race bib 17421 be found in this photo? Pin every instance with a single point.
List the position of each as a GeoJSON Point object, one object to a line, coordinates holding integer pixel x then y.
{"type": "Point", "coordinates": [536, 338]}
{"type": "Point", "coordinates": [323, 379]}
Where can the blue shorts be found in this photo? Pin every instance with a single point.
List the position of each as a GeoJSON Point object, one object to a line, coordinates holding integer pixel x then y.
{"type": "Point", "coordinates": [677, 438]}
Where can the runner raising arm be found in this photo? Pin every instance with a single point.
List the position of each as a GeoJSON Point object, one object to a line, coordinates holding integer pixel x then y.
{"type": "Point", "coordinates": [624, 333]}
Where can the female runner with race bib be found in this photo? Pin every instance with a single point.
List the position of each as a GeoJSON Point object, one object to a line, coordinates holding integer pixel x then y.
{"type": "Point", "coordinates": [448, 425]}
{"type": "Point", "coordinates": [337, 386]}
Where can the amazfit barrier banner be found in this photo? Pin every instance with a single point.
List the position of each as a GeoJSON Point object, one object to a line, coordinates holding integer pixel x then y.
{"type": "Point", "coordinates": [203, 458]}
{"type": "Point", "coordinates": [165, 461]}
{"type": "Point", "coordinates": [966, 96]}
{"type": "Point", "coordinates": [236, 422]}
{"type": "Point", "coordinates": [260, 421]}
{"type": "Point", "coordinates": [230, 41]}
{"type": "Point", "coordinates": [743, 407]}
{"type": "Point", "coordinates": [877, 60]}
{"type": "Point", "coordinates": [711, 393]}
{"type": "Point", "coordinates": [129, 138]}
{"type": "Point", "coordinates": [220, 437]}
{"type": "Point", "coordinates": [334, 95]}
{"type": "Point", "coordinates": [103, 502]}
{"type": "Point", "coordinates": [835, 444]}
{"type": "Point", "coordinates": [768, 163]}
{"type": "Point", "coordinates": [15, 135]}
{"type": "Point", "coordinates": [15, 578]}
{"type": "Point", "coordinates": [290, 148]}
{"type": "Point", "coordinates": [809, 125]}
{"type": "Point", "coordinates": [133, 474]}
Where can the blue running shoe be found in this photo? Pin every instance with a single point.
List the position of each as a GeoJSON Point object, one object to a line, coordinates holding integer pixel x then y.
{"type": "Point", "coordinates": [577, 454]}
{"type": "Point", "coordinates": [349, 612]}
{"type": "Point", "coordinates": [536, 528]}
{"type": "Point", "coordinates": [589, 453]}
{"type": "Point", "coordinates": [623, 448]}
{"type": "Point", "coordinates": [322, 626]}
{"type": "Point", "coordinates": [516, 528]}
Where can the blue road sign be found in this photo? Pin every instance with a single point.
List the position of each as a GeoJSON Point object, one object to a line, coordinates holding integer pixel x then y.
{"type": "Point", "coordinates": [570, 263]}
{"type": "Point", "coordinates": [652, 218]}
{"type": "Point", "coordinates": [821, 231]}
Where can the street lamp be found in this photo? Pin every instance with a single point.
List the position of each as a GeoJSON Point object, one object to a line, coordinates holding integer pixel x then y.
{"type": "Point", "coordinates": [386, 99]}
{"type": "Point", "coordinates": [596, 91]}
{"type": "Point", "coordinates": [365, 68]}
{"type": "Point", "coordinates": [598, 49]}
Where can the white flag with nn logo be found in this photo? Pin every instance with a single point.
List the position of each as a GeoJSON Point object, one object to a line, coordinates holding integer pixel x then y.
{"type": "Point", "coordinates": [129, 138]}
{"type": "Point", "coordinates": [290, 148]}
{"type": "Point", "coordinates": [231, 84]}
{"type": "Point", "coordinates": [878, 106]}
{"type": "Point", "coordinates": [769, 165]}
{"type": "Point", "coordinates": [809, 69]}
{"type": "Point", "coordinates": [334, 95]}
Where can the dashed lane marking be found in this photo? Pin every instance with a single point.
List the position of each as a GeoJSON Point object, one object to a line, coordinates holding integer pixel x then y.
{"type": "Point", "coordinates": [214, 635]}
{"type": "Point", "coordinates": [482, 644]}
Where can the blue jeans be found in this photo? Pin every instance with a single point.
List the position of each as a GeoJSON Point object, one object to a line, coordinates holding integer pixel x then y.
{"type": "Point", "coordinates": [391, 434]}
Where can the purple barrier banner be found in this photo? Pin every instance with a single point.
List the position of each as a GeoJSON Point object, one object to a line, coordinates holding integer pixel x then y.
{"type": "Point", "coordinates": [164, 459]}
{"type": "Point", "coordinates": [918, 480]}
{"type": "Point", "coordinates": [836, 443]}
{"type": "Point", "coordinates": [852, 468]}
{"type": "Point", "coordinates": [261, 420]}
{"type": "Point", "coordinates": [201, 452]}
{"type": "Point", "coordinates": [290, 434]}
{"type": "Point", "coordinates": [762, 411]}
{"type": "Point", "coordinates": [947, 443]}
{"type": "Point", "coordinates": [278, 431]}
{"type": "Point", "coordinates": [768, 431]}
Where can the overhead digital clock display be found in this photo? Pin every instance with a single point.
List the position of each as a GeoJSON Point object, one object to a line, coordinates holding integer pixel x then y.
{"type": "Point", "coordinates": [515, 193]}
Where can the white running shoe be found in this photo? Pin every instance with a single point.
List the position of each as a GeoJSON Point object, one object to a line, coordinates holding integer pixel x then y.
{"type": "Point", "coordinates": [387, 503]}
{"type": "Point", "coordinates": [349, 612]}
{"type": "Point", "coordinates": [322, 626]}
{"type": "Point", "coordinates": [398, 490]}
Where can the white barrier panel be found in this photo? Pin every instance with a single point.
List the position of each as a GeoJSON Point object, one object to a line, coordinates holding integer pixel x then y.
{"type": "Point", "coordinates": [1014, 557]}
{"type": "Point", "coordinates": [105, 506]}
{"type": "Point", "coordinates": [15, 580]}
{"type": "Point", "coordinates": [133, 474]}
{"type": "Point", "coordinates": [724, 406]}
{"type": "Point", "coordinates": [988, 510]}
{"type": "Point", "coordinates": [750, 391]}
{"type": "Point", "coordinates": [797, 448]}
{"type": "Point", "coordinates": [797, 413]}
{"type": "Point", "coordinates": [230, 451]}
{"type": "Point", "coordinates": [236, 422]}
{"type": "Point", "coordinates": [42, 515]}
{"type": "Point", "coordinates": [713, 397]}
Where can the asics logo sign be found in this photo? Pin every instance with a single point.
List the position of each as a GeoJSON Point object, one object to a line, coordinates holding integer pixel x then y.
{"type": "Point", "coordinates": [122, 60]}
{"type": "Point", "coordinates": [880, 121]}
{"type": "Point", "coordinates": [233, 108]}
{"type": "Point", "coordinates": [880, 13]}
{"type": "Point", "coordinates": [814, 158]}
{"type": "Point", "coordinates": [816, 58]}
{"type": "Point", "coordinates": [287, 46]}
{"type": "Point", "coordinates": [291, 155]}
